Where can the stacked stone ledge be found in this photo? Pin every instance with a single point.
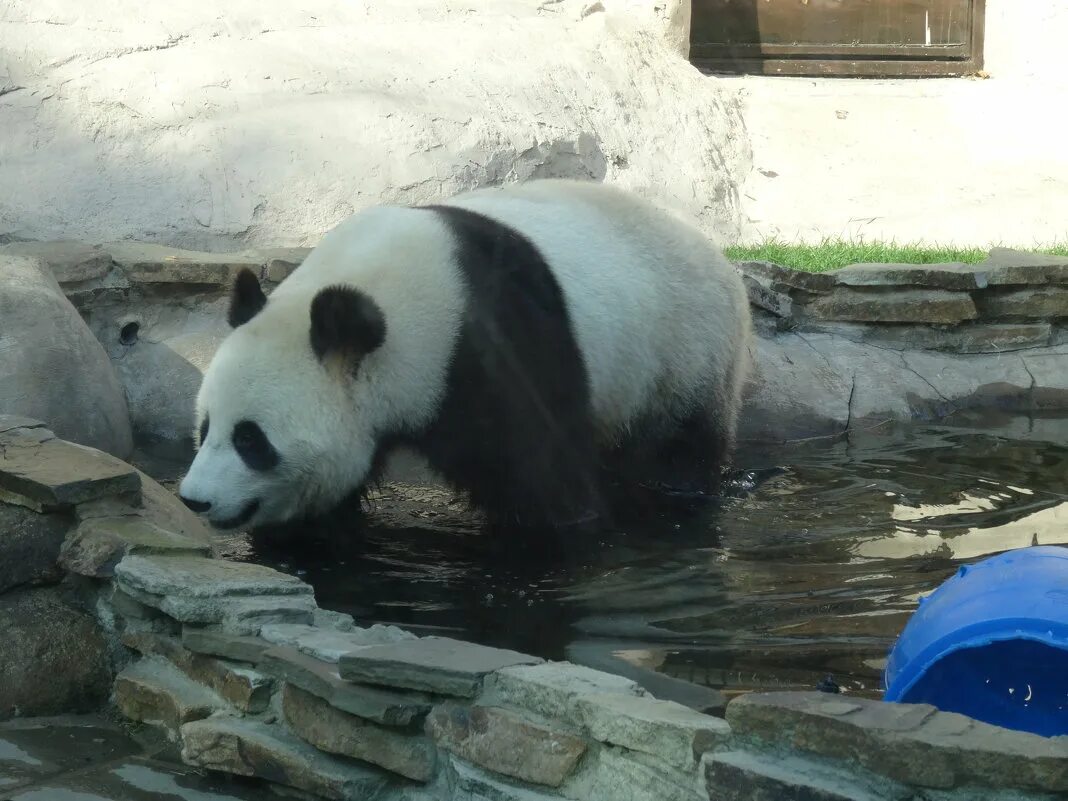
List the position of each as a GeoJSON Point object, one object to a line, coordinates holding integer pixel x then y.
{"type": "Point", "coordinates": [237, 665]}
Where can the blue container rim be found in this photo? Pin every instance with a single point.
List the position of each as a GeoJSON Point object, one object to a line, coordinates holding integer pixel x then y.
{"type": "Point", "coordinates": [976, 635]}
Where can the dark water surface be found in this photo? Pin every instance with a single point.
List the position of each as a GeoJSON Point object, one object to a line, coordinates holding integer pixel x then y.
{"type": "Point", "coordinates": [812, 569]}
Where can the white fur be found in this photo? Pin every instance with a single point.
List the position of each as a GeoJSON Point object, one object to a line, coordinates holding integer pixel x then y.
{"type": "Point", "coordinates": [660, 317]}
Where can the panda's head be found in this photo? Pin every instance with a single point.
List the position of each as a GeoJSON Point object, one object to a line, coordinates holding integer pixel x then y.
{"type": "Point", "coordinates": [286, 413]}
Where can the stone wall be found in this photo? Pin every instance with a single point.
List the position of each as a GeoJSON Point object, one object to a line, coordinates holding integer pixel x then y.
{"type": "Point", "coordinates": [237, 666]}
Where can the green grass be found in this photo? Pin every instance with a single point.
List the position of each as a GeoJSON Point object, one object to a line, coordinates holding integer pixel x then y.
{"type": "Point", "coordinates": [834, 253]}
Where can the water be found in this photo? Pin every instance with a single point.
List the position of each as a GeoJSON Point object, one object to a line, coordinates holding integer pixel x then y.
{"type": "Point", "coordinates": [811, 570]}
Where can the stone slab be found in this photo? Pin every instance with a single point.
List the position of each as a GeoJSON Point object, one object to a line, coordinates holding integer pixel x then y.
{"type": "Point", "coordinates": [247, 616]}
{"type": "Point", "coordinates": [329, 645]}
{"type": "Point", "coordinates": [764, 295]}
{"type": "Point", "coordinates": [504, 743]}
{"type": "Point", "coordinates": [141, 779]}
{"type": "Point", "coordinates": [98, 544]}
{"type": "Point", "coordinates": [553, 689]}
{"type": "Point", "coordinates": [1039, 303]}
{"type": "Point", "coordinates": [329, 729]}
{"type": "Point", "coordinates": [937, 306]}
{"type": "Point", "coordinates": [229, 646]}
{"type": "Point", "coordinates": [55, 475]}
{"type": "Point", "coordinates": [70, 262]}
{"type": "Point", "coordinates": [974, 337]}
{"type": "Point", "coordinates": [434, 664]}
{"type": "Point", "coordinates": [911, 743]}
{"type": "Point", "coordinates": [245, 688]}
{"type": "Point", "coordinates": [154, 691]}
{"type": "Point", "coordinates": [612, 774]}
{"type": "Point", "coordinates": [147, 263]}
{"type": "Point", "coordinates": [321, 679]}
{"type": "Point", "coordinates": [782, 278]}
{"type": "Point", "coordinates": [666, 730]}
{"type": "Point", "coordinates": [1005, 266]}
{"type": "Point", "coordinates": [249, 748]}
{"type": "Point", "coordinates": [468, 782]}
{"type": "Point", "coordinates": [742, 776]}
{"type": "Point", "coordinates": [11, 422]}
{"type": "Point", "coordinates": [950, 275]}
{"type": "Point", "coordinates": [30, 546]}
{"type": "Point", "coordinates": [195, 577]}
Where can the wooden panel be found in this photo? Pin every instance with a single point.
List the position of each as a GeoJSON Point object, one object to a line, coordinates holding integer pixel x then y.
{"type": "Point", "coordinates": [742, 33]}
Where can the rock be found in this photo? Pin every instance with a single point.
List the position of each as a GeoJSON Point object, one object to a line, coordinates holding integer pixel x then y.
{"type": "Point", "coordinates": [337, 621]}
{"type": "Point", "coordinates": [952, 275]}
{"type": "Point", "coordinates": [504, 743]}
{"type": "Point", "coordinates": [322, 679]}
{"type": "Point", "coordinates": [911, 743]}
{"type": "Point", "coordinates": [763, 294]}
{"type": "Point", "coordinates": [579, 94]}
{"type": "Point", "coordinates": [246, 689]}
{"type": "Point", "coordinates": [146, 263]}
{"type": "Point", "coordinates": [11, 422]}
{"type": "Point", "coordinates": [154, 691]}
{"type": "Point", "coordinates": [330, 646]}
{"type": "Point", "coordinates": [29, 546]}
{"type": "Point", "coordinates": [892, 306]}
{"type": "Point", "coordinates": [553, 689]}
{"type": "Point", "coordinates": [247, 616]}
{"type": "Point", "coordinates": [55, 658]}
{"type": "Point", "coordinates": [51, 366]}
{"type": "Point", "coordinates": [125, 606]}
{"type": "Point", "coordinates": [976, 381]}
{"type": "Point", "coordinates": [466, 782]}
{"type": "Point", "coordinates": [1043, 303]}
{"type": "Point", "coordinates": [434, 664]}
{"type": "Point", "coordinates": [741, 776]}
{"type": "Point", "coordinates": [336, 732]}
{"type": "Point", "coordinates": [1005, 266]}
{"type": "Point", "coordinates": [280, 262]}
{"type": "Point", "coordinates": [69, 262]}
{"type": "Point", "coordinates": [675, 734]}
{"type": "Point", "coordinates": [783, 279]}
{"type": "Point", "coordinates": [248, 748]}
{"type": "Point", "coordinates": [97, 545]}
{"type": "Point", "coordinates": [1049, 388]}
{"type": "Point", "coordinates": [611, 774]}
{"type": "Point", "coordinates": [963, 338]}
{"type": "Point", "coordinates": [48, 474]}
{"type": "Point", "coordinates": [194, 577]}
{"type": "Point", "coordinates": [230, 646]}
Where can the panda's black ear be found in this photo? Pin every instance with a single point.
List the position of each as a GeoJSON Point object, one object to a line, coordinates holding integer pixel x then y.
{"type": "Point", "coordinates": [344, 319]}
{"type": "Point", "coordinates": [246, 299]}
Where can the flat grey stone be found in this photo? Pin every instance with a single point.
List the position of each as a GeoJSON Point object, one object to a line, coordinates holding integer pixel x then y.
{"type": "Point", "coordinates": [1049, 375]}
{"type": "Point", "coordinates": [10, 422]}
{"type": "Point", "coordinates": [143, 262]}
{"type": "Point", "coordinates": [248, 748]}
{"type": "Point", "coordinates": [336, 621]}
{"type": "Point", "coordinates": [321, 679]}
{"type": "Point", "coordinates": [434, 664]}
{"type": "Point", "coordinates": [611, 774]}
{"type": "Point", "coordinates": [950, 275]}
{"type": "Point", "coordinates": [763, 294]}
{"type": "Point", "coordinates": [193, 577]}
{"type": "Point", "coordinates": [328, 645]}
{"type": "Point", "coordinates": [98, 544]}
{"type": "Point", "coordinates": [229, 646]}
{"type": "Point", "coordinates": [973, 337]}
{"type": "Point", "coordinates": [30, 546]}
{"type": "Point", "coordinates": [1039, 303]}
{"type": "Point", "coordinates": [467, 781]}
{"type": "Point", "coordinates": [670, 731]}
{"type": "Point", "coordinates": [55, 658]}
{"type": "Point", "coordinates": [506, 744]}
{"type": "Point", "coordinates": [247, 616]}
{"type": "Point", "coordinates": [911, 743]}
{"type": "Point", "coordinates": [938, 306]}
{"type": "Point", "coordinates": [553, 689]}
{"type": "Point", "coordinates": [742, 776]}
{"type": "Point", "coordinates": [329, 729]}
{"type": "Point", "coordinates": [152, 690]}
{"type": "Point", "coordinates": [57, 475]}
{"type": "Point", "coordinates": [140, 779]}
{"type": "Point", "coordinates": [70, 262]}
{"type": "Point", "coordinates": [245, 688]}
{"type": "Point", "coordinates": [1005, 266]}
{"type": "Point", "coordinates": [784, 279]}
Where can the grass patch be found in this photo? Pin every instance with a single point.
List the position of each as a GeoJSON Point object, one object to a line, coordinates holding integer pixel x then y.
{"type": "Point", "coordinates": [834, 253]}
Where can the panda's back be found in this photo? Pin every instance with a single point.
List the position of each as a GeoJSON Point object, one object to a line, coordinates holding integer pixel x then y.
{"type": "Point", "coordinates": [652, 304]}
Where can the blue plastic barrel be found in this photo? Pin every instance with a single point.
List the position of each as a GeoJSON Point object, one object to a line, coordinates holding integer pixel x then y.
{"type": "Point", "coordinates": [992, 643]}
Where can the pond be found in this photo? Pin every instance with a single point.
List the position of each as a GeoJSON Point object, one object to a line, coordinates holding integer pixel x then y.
{"type": "Point", "coordinates": [810, 569]}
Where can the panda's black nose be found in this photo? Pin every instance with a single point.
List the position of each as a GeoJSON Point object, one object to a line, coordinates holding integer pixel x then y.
{"type": "Point", "coordinates": [197, 506]}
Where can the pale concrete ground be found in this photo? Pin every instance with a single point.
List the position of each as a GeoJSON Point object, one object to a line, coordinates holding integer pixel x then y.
{"type": "Point", "coordinates": [965, 161]}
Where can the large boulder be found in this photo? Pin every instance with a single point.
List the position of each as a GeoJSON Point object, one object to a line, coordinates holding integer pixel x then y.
{"type": "Point", "coordinates": [271, 123]}
{"type": "Point", "coordinates": [52, 367]}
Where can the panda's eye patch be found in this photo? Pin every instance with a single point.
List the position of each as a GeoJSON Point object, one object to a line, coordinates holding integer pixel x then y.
{"type": "Point", "coordinates": [204, 430]}
{"type": "Point", "coordinates": [253, 446]}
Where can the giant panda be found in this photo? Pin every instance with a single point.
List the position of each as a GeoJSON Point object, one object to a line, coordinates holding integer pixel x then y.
{"type": "Point", "coordinates": [539, 344]}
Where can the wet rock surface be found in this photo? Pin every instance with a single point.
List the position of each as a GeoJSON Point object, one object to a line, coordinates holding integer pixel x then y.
{"type": "Point", "coordinates": [29, 546]}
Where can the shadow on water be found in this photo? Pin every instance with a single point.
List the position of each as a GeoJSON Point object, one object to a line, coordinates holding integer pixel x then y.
{"type": "Point", "coordinates": [811, 568]}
